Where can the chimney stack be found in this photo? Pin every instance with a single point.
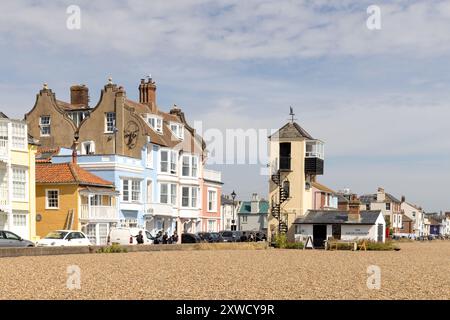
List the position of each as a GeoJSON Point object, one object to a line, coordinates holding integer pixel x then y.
{"type": "Point", "coordinates": [255, 203]}
{"type": "Point", "coordinates": [147, 93]}
{"type": "Point", "coordinates": [381, 195]}
{"type": "Point", "coordinates": [354, 209]}
{"type": "Point", "coordinates": [79, 94]}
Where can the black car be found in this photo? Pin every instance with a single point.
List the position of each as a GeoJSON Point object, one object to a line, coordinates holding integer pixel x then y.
{"type": "Point", "coordinates": [190, 238]}
{"type": "Point", "coordinates": [230, 236]}
{"type": "Point", "coordinates": [210, 237]}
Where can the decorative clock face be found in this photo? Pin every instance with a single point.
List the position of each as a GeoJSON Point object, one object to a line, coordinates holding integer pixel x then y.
{"type": "Point", "coordinates": [131, 134]}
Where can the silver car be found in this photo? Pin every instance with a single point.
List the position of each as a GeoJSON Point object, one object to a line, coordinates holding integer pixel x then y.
{"type": "Point", "coordinates": [9, 239]}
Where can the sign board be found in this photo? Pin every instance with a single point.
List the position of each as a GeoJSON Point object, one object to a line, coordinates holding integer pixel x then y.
{"type": "Point", "coordinates": [309, 243]}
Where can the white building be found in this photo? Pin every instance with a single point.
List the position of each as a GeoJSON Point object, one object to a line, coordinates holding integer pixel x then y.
{"type": "Point", "coordinates": [226, 212]}
{"type": "Point", "coordinates": [354, 224]}
{"type": "Point", "coordinates": [416, 214]}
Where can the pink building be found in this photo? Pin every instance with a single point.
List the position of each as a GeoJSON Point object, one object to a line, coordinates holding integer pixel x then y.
{"type": "Point", "coordinates": [211, 186]}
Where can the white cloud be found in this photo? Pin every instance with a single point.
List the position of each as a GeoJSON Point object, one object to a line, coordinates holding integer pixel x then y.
{"type": "Point", "coordinates": [230, 30]}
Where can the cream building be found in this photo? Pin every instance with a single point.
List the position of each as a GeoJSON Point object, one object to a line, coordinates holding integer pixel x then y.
{"type": "Point", "coordinates": [296, 158]}
{"type": "Point", "coordinates": [17, 179]}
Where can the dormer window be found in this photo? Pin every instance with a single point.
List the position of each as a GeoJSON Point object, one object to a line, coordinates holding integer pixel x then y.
{"type": "Point", "coordinates": [156, 123]}
{"type": "Point", "coordinates": [177, 129]}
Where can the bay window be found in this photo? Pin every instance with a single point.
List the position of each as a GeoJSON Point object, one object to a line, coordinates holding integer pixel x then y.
{"type": "Point", "coordinates": [212, 200]}
{"type": "Point", "coordinates": [168, 157]}
{"type": "Point", "coordinates": [131, 190]}
{"type": "Point", "coordinates": [189, 197]}
{"type": "Point", "coordinates": [168, 193]}
{"type": "Point", "coordinates": [19, 184]}
{"type": "Point", "coordinates": [19, 136]}
{"type": "Point", "coordinates": [156, 123]}
{"type": "Point", "coordinates": [190, 166]}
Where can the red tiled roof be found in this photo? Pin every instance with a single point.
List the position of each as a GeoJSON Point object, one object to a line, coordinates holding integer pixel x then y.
{"type": "Point", "coordinates": [67, 173]}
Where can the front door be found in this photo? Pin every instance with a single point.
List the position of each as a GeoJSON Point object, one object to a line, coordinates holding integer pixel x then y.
{"type": "Point", "coordinates": [319, 235]}
{"type": "Point", "coordinates": [380, 232]}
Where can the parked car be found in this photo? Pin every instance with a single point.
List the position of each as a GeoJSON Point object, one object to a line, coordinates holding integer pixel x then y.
{"type": "Point", "coordinates": [10, 240]}
{"type": "Point", "coordinates": [210, 237]}
{"type": "Point", "coordinates": [230, 236]}
{"type": "Point", "coordinates": [127, 236]}
{"type": "Point", "coordinates": [64, 238]}
{"type": "Point", "coordinates": [190, 238]}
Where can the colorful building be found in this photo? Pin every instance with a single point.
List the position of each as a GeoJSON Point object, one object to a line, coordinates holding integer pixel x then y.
{"type": "Point", "coordinates": [71, 198]}
{"type": "Point", "coordinates": [17, 178]}
{"type": "Point", "coordinates": [252, 215]}
{"type": "Point", "coordinates": [211, 209]}
{"type": "Point", "coordinates": [154, 158]}
{"type": "Point", "coordinates": [296, 159]}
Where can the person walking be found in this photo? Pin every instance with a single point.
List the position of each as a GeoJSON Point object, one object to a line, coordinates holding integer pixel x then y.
{"type": "Point", "coordinates": [140, 238]}
{"type": "Point", "coordinates": [165, 238]}
{"type": "Point", "coordinates": [243, 237]}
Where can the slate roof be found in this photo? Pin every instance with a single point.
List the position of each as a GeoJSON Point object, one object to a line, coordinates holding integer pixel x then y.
{"type": "Point", "coordinates": [246, 207]}
{"type": "Point", "coordinates": [369, 198]}
{"type": "Point", "coordinates": [292, 130]}
{"type": "Point", "coordinates": [337, 217]}
{"type": "Point", "coordinates": [67, 173]}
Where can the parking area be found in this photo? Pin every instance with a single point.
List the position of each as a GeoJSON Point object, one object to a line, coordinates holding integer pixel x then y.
{"type": "Point", "coordinates": [420, 270]}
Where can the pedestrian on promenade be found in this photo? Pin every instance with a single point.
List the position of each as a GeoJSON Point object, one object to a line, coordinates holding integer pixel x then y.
{"type": "Point", "coordinates": [165, 238]}
{"type": "Point", "coordinates": [243, 237]}
{"type": "Point", "coordinates": [140, 238]}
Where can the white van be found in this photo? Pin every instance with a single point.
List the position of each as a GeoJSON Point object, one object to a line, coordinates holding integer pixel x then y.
{"type": "Point", "coordinates": [127, 236]}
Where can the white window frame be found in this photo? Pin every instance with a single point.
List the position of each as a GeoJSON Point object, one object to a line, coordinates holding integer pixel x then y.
{"type": "Point", "coordinates": [212, 203]}
{"type": "Point", "coordinates": [19, 136]}
{"type": "Point", "coordinates": [45, 125]}
{"type": "Point", "coordinates": [149, 158]}
{"type": "Point", "coordinates": [110, 122]}
{"type": "Point", "coordinates": [83, 147]}
{"type": "Point", "coordinates": [23, 217]}
{"type": "Point", "coordinates": [172, 197]}
{"type": "Point", "coordinates": [172, 161]}
{"type": "Point", "coordinates": [190, 197]}
{"type": "Point", "coordinates": [24, 182]}
{"type": "Point", "coordinates": [156, 123]}
{"type": "Point", "coordinates": [130, 191]}
{"type": "Point", "coordinates": [193, 164]}
{"type": "Point", "coordinates": [47, 207]}
{"type": "Point", "coordinates": [214, 225]}
{"type": "Point", "coordinates": [177, 129]}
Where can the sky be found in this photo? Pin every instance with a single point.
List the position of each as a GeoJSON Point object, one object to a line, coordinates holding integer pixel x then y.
{"type": "Point", "coordinates": [379, 99]}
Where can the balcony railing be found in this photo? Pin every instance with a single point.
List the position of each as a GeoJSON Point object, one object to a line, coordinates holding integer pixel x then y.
{"type": "Point", "coordinates": [98, 212]}
{"type": "Point", "coordinates": [4, 152]}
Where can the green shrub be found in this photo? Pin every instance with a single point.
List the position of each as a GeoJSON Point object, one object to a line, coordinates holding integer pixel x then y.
{"type": "Point", "coordinates": [280, 241]}
{"type": "Point", "coordinates": [114, 248]}
{"type": "Point", "coordinates": [294, 245]}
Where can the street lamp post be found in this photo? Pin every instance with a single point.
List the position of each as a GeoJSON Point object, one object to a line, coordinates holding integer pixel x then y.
{"type": "Point", "coordinates": [233, 222]}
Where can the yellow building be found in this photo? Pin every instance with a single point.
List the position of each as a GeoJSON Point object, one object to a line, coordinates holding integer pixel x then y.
{"type": "Point", "coordinates": [71, 198]}
{"type": "Point", "coordinates": [17, 178]}
{"type": "Point", "coordinates": [296, 158]}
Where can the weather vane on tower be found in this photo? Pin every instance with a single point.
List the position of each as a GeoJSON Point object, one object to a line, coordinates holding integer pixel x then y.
{"type": "Point", "coordinates": [292, 114]}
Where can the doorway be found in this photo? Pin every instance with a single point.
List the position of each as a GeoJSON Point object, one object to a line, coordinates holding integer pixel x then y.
{"type": "Point", "coordinates": [319, 235]}
{"type": "Point", "coordinates": [380, 232]}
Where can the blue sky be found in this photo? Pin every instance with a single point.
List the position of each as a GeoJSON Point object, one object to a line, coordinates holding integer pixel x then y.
{"type": "Point", "coordinates": [379, 99]}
